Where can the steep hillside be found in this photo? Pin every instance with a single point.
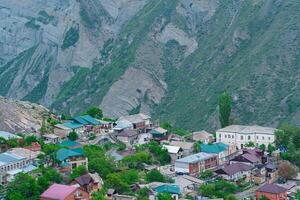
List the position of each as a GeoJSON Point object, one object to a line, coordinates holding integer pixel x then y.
{"type": "Point", "coordinates": [19, 116]}
{"type": "Point", "coordinates": [170, 58]}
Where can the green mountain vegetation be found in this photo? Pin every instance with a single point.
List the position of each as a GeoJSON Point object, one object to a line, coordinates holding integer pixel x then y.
{"type": "Point", "coordinates": [188, 52]}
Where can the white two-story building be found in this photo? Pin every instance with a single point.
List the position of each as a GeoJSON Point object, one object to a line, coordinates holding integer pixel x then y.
{"type": "Point", "coordinates": [240, 135]}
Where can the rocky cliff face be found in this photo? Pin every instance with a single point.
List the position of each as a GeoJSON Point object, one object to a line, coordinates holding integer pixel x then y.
{"type": "Point", "coordinates": [19, 116]}
{"type": "Point", "coordinates": [169, 58]}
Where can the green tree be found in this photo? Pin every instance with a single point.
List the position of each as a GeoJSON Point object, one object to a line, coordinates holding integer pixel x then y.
{"type": "Point", "coordinates": [263, 197]}
{"type": "Point", "coordinates": [166, 125]}
{"type": "Point", "coordinates": [271, 148]}
{"type": "Point", "coordinates": [262, 147]}
{"type": "Point", "coordinates": [164, 196]}
{"type": "Point", "coordinates": [73, 136]}
{"type": "Point", "coordinates": [207, 190]}
{"type": "Point", "coordinates": [154, 176]}
{"type": "Point", "coordinates": [297, 195]}
{"type": "Point", "coordinates": [49, 176]}
{"type": "Point", "coordinates": [161, 154]}
{"type": "Point", "coordinates": [224, 108]}
{"type": "Point", "coordinates": [23, 187]}
{"type": "Point", "coordinates": [95, 112]}
{"type": "Point", "coordinates": [29, 139]}
{"type": "Point", "coordinates": [143, 194]}
{"type": "Point", "coordinates": [230, 197]}
{"type": "Point", "coordinates": [250, 144]}
{"type": "Point", "coordinates": [115, 181]}
{"type": "Point", "coordinates": [78, 171]}
{"type": "Point", "coordinates": [206, 174]}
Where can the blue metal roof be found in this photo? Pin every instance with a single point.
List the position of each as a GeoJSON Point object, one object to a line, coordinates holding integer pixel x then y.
{"type": "Point", "coordinates": [6, 158]}
{"type": "Point", "coordinates": [80, 120]}
{"type": "Point", "coordinates": [63, 154]}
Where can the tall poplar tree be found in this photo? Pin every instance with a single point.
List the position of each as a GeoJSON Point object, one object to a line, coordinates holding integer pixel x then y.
{"type": "Point", "coordinates": [224, 108]}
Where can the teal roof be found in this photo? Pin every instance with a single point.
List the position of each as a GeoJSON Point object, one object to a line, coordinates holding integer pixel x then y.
{"type": "Point", "coordinates": [213, 148]}
{"type": "Point", "coordinates": [80, 120]}
{"type": "Point", "coordinates": [90, 119]}
{"type": "Point", "coordinates": [168, 188]}
{"type": "Point", "coordinates": [72, 125]}
{"type": "Point", "coordinates": [64, 154]}
{"type": "Point", "coordinates": [69, 143]}
{"type": "Point", "coordinates": [86, 120]}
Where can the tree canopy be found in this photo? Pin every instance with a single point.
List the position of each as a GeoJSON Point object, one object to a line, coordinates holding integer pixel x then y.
{"type": "Point", "coordinates": [225, 109]}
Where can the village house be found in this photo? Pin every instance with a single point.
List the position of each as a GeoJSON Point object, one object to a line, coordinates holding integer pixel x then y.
{"type": "Point", "coordinates": [271, 172]}
{"type": "Point", "coordinates": [12, 164]}
{"type": "Point", "coordinates": [89, 182]}
{"type": "Point", "coordinates": [221, 149]}
{"type": "Point", "coordinates": [7, 136]}
{"type": "Point", "coordinates": [140, 122]}
{"type": "Point", "coordinates": [90, 124]}
{"type": "Point", "coordinates": [240, 135]}
{"type": "Point", "coordinates": [235, 172]}
{"type": "Point", "coordinates": [187, 147]}
{"type": "Point", "coordinates": [71, 155]}
{"type": "Point", "coordinates": [128, 137]}
{"type": "Point", "coordinates": [196, 163]}
{"type": "Point", "coordinates": [64, 192]}
{"type": "Point", "coordinates": [51, 139]}
{"type": "Point", "coordinates": [203, 136]}
{"type": "Point", "coordinates": [188, 184]}
{"type": "Point", "coordinates": [159, 134]}
{"type": "Point", "coordinates": [271, 192]}
{"type": "Point", "coordinates": [175, 152]}
{"type": "Point", "coordinates": [172, 189]}
{"type": "Point", "coordinates": [246, 158]}
{"type": "Point", "coordinates": [63, 130]}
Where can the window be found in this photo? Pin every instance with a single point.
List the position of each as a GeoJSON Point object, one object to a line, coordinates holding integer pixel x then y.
{"type": "Point", "coordinates": [249, 137]}
{"type": "Point", "coordinates": [263, 137]}
{"type": "Point", "coordinates": [257, 137]}
{"type": "Point", "coordinates": [242, 137]}
{"type": "Point", "coordinates": [232, 136]}
{"type": "Point", "coordinates": [225, 136]}
{"type": "Point", "coordinates": [229, 136]}
{"type": "Point", "coordinates": [269, 138]}
{"type": "Point", "coordinates": [220, 135]}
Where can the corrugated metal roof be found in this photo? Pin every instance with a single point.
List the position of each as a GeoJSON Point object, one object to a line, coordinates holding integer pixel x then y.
{"type": "Point", "coordinates": [214, 148]}
{"type": "Point", "coordinates": [7, 135]}
{"type": "Point", "coordinates": [196, 157]}
{"type": "Point", "coordinates": [72, 125]}
{"type": "Point", "coordinates": [248, 129]}
{"type": "Point", "coordinates": [168, 188]}
{"type": "Point", "coordinates": [63, 154]}
{"type": "Point", "coordinates": [172, 149]}
{"type": "Point", "coordinates": [6, 158]}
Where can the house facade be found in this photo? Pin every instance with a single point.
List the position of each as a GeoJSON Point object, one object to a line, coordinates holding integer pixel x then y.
{"type": "Point", "coordinates": [139, 122]}
{"type": "Point", "coordinates": [219, 148]}
{"type": "Point", "coordinates": [175, 152]}
{"type": "Point", "coordinates": [271, 192]}
{"type": "Point", "coordinates": [187, 147]}
{"type": "Point", "coordinates": [196, 163]}
{"type": "Point", "coordinates": [235, 172]}
{"type": "Point", "coordinates": [12, 164]}
{"type": "Point", "coordinates": [128, 137]}
{"type": "Point", "coordinates": [240, 135]}
{"type": "Point", "coordinates": [203, 136]}
{"type": "Point", "coordinates": [89, 182]}
{"type": "Point", "coordinates": [64, 192]}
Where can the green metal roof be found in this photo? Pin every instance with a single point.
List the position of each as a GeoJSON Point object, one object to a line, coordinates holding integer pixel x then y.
{"type": "Point", "coordinates": [80, 120]}
{"type": "Point", "coordinates": [168, 188]}
{"type": "Point", "coordinates": [64, 154]}
{"type": "Point", "coordinates": [72, 125]}
{"type": "Point", "coordinates": [86, 120]}
{"type": "Point", "coordinates": [213, 148]}
{"type": "Point", "coordinates": [69, 143]}
{"type": "Point", "coordinates": [90, 119]}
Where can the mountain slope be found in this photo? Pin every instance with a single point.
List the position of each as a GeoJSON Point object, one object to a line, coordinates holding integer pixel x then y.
{"type": "Point", "coordinates": [170, 58]}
